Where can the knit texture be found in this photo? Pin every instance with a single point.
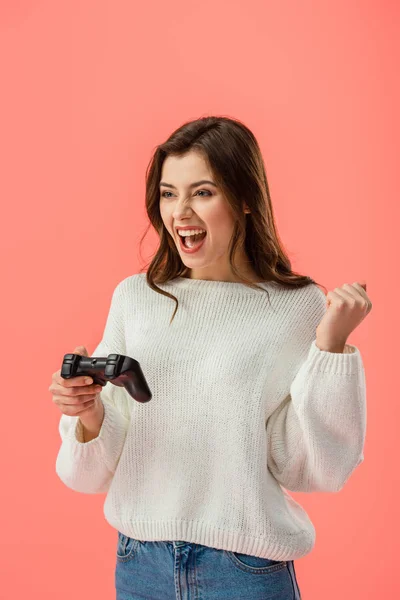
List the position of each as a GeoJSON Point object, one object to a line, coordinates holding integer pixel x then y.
{"type": "Point", "coordinates": [245, 408]}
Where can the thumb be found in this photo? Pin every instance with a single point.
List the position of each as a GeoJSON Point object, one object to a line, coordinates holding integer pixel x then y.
{"type": "Point", "coordinates": [81, 350]}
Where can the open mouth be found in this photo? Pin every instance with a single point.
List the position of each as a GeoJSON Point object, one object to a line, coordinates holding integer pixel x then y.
{"type": "Point", "coordinates": [192, 243]}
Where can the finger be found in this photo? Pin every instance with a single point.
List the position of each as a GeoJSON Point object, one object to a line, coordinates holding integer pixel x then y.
{"type": "Point", "coordinates": [85, 407]}
{"type": "Point", "coordinates": [345, 294]}
{"type": "Point", "coordinates": [355, 291]}
{"type": "Point", "coordinates": [72, 411]}
{"type": "Point", "coordinates": [81, 350]}
{"type": "Point", "coordinates": [73, 400]}
{"type": "Point", "coordinates": [78, 391]}
{"type": "Point", "coordinates": [74, 381]}
{"type": "Point", "coordinates": [364, 294]}
{"type": "Point", "coordinates": [360, 289]}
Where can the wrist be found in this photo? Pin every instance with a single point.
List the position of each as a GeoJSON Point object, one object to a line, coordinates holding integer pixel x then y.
{"type": "Point", "coordinates": [93, 420]}
{"type": "Point", "coordinates": [337, 347]}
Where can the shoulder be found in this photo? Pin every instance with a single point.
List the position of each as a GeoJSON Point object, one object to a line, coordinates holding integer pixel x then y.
{"type": "Point", "coordinates": [306, 299]}
{"type": "Point", "coordinates": [131, 281]}
{"type": "Point", "coordinates": [304, 307]}
{"type": "Point", "coordinates": [129, 286]}
{"type": "Point", "coordinates": [310, 308]}
{"type": "Point", "coordinates": [314, 296]}
{"type": "Point", "coordinates": [313, 301]}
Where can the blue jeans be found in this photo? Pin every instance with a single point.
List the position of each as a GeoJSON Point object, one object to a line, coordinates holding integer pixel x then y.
{"type": "Point", "coordinates": [179, 570]}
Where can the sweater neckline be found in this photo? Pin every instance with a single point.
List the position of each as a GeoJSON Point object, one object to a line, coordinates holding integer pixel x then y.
{"type": "Point", "coordinates": [186, 282]}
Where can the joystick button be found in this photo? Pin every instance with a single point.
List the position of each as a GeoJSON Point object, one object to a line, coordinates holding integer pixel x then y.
{"type": "Point", "coordinates": [67, 369]}
{"type": "Point", "coordinates": [109, 371]}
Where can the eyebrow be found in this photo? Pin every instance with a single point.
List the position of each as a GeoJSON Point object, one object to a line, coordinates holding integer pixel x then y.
{"type": "Point", "coordinates": [192, 185]}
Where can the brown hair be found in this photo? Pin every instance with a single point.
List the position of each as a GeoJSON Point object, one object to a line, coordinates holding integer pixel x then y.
{"type": "Point", "coordinates": [234, 158]}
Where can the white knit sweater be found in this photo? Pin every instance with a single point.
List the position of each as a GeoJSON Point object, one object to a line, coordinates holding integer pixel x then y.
{"type": "Point", "coordinates": [245, 406]}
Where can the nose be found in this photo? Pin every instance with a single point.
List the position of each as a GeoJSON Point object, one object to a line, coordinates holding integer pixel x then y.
{"type": "Point", "coordinates": [181, 210]}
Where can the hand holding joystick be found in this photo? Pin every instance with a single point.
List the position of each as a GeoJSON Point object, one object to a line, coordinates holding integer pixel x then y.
{"type": "Point", "coordinates": [119, 369]}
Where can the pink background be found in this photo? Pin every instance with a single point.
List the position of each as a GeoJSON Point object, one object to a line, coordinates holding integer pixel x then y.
{"type": "Point", "coordinates": [89, 88]}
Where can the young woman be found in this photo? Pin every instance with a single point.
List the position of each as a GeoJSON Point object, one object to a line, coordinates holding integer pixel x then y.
{"type": "Point", "coordinates": [255, 390]}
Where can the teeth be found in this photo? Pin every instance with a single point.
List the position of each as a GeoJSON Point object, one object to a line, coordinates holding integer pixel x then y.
{"type": "Point", "coordinates": [186, 232]}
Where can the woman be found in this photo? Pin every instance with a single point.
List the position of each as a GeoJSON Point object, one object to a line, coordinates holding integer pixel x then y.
{"type": "Point", "coordinates": [255, 390]}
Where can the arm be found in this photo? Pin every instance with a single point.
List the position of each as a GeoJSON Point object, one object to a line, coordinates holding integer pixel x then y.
{"type": "Point", "coordinates": [88, 433]}
{"type": "Point", "coordinates": [89, 466]}
{"type": "Point", "coordinates": [316, 436]}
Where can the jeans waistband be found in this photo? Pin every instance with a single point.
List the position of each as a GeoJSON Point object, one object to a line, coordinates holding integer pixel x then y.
{"type": "Point", "coordinates": [179, 543]}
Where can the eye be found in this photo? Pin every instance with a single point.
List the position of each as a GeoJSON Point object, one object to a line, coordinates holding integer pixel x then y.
{"type": "Point", "coordinates": [166, 192]}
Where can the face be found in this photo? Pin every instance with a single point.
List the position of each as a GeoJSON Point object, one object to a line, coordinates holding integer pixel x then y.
{"type": "Point", "coordinates": [202, 206]}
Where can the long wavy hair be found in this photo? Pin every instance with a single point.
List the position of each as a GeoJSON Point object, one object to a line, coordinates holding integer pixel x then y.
{"type": "Point", "coordinates": [234, 158]}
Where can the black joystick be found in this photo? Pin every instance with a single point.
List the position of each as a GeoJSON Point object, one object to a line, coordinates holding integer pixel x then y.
{"type": "Point", "coordinates": [121, 370]}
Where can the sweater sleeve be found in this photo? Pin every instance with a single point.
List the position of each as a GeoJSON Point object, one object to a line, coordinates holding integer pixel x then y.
{"type": "Point", "coordinates": [316, 436]}
{"type": "Point", "coordinates": [89, 467]}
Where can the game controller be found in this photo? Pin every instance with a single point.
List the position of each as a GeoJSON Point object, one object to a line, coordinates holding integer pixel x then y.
{"type": "Point", "coordinates": [120, 370]}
